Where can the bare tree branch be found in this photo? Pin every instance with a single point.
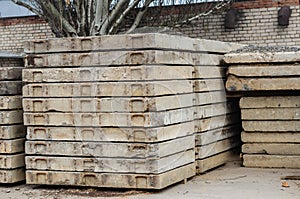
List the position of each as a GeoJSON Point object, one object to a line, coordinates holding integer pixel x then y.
{"type": "Point", "coordinates": [115, 26]}
{"type": "Point", "coordinates": [29, 7]}
{"type": "Point", "coordinates": [139, 16]}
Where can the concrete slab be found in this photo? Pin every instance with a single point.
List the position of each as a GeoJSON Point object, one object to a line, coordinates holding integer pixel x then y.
{"type": "Point", "coordinates": [146, 135]}
{"type": "Point", "coordinates": [129, 42]}
{"type": "Point", "coordinates": [271, 114]}
{"type": "Point", "coordinates": [10, 102]}
{"type": "Point", "coordinates": [259, 70]}
{"type": "Point", "coordinates": [214, 135]}
{"type": "Point", "coordinates": [208, 150]}
{"type": "Point", "coordinates": [207, 85]}
{"type": "Point", "coordinates": [271, 137]}
{"type": "Point", "coordinates": [264, 57]}
{"type": "Point", "coordinates": [234, 83]}
{"type": "Point", "coordinates": [271, 161]}
{"type": "Point", "coordinates": [12, 176]}
{"type": "Point", "coordinates": [271, 126]}
{"type": "Point", "coordinates": [98, 74]}
{"type": "Point", "coordinates": [10, 87]}
{"type": "Point", "coordinates": [12, 131]}
{"type": "Point", "coordinates": [116, 104]}
{"type": "Point", "coordinates": [270, 102]}
{"type": "Point", "coordinates": [12, 161]}
{"type": "Point", "coordinates": [271, 148]}
{"type": "Point", "coordinates": [121, 58]}
{"type": "Point", "coordinates": [121, 89]}
{"type": "Point", "coordinates": [10, 73]}
{"type": "Point", "coordinates": [134, 181]}
{"type": "Point", "coordinates": [12, 146]}
{"type": "Point", "coordinates": [215, 122]}
{"type": "Point", "coordinates": [147, 119]}
{"type": "Point", "coordinates": [214, 161]}
{"type": "Point", "coordinates": [11, 117]}
{"type": "Point", "coordinates": [110, 165]}
{"type": "Point", "coordinates": [109, 149]}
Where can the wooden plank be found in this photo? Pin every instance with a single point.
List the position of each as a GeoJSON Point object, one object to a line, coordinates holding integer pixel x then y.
{"type": "Point", "coordinates": [271, 126]}
{"type": "Point", "coordinates": [10, 102]}
{"type": "Point", "coordinates": [253, 70]}
{"type": "Point", "coordinates": [11, 117]}
{"type": "Point", "coordinates": [108, 89]}
{"type": "Point", "coordinates": [234, 83]}
{"type": "Point", "coordinates": [128, 42]}
{"type": "Point", "coordinates": [262, 57]}
{"type": "Point", "coordinates": [271, 137]}
{"type": "Point", "coordinates": [212, 162]}
{"type": "Point", "coordinates": [272, 148]}
{"type": "Point", "coordinates": [12, 176]}
{"type": "Point", "coordinates": [271, 161]}
{"type": "Point", "coordinates": [99, 74]}
{"type": "Point", "coordinates": [215, 135]}
{"type": "Point", "coordinates": [120, 58]}
{"type": "Point", "coordinates": [12, 131]}
{"type": "Point", "coordinates": [109, 104]}
{"type": "Point", "coordinates": [206, 124]}
{"type": "Point", "coordinates": [12, 161]}
{"type": "Point", "coordinates": [217, 147]}
{"type": "Point", "coordinates": [12, 146]}
{"type": "Point", "coordinates": [111, 134]}
{"type": "Point", "coordinates": [10, 87]}
{"type": "Point", "coordinates": [111, 180]}
{"type": "Point", "coordinates": [271, 114]}
{"type": "Point", "coordinates": [111, 165]}
{"type": "Point", "coordinates": [270, 102]}
{"type": "Point", "coordinates": [10, 73]}
{"type": "Point", "coordinates": [110, 149]}
{"type": "Point", "coordinates": [147, 119]}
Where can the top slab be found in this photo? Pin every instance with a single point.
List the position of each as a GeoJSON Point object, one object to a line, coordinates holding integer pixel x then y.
{"type": "Point", "coordinates": [263, 57]}
{"type": "Point", "coordinates": [128, 42]}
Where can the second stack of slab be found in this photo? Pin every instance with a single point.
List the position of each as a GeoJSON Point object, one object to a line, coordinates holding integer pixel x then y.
{"type": "Point", "coordinates": [268, 81]}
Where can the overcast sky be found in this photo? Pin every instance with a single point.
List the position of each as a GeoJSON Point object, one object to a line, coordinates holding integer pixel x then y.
{"type": "Point", "coordinates": [9, 9]}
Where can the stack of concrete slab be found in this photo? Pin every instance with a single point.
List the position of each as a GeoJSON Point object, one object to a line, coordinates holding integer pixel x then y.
{"type": "Point", "coordinates": [269, 84]}
{"type": "Point", "coordinates": [120, 111]}
{"type": "Point", "coordinates": [217, 118]}
{"type": "Point", "coordinates": [12, 130]}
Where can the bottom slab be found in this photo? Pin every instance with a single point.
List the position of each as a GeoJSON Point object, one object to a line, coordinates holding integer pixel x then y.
{"type": "Point", "coordinates": [209, 163]}
{"type": "Point", "coordinates": [12, 176]}
{"type": "Point", "coordinates": [271, 161]}
{"type": "Point", "coordinates": [111, 180]}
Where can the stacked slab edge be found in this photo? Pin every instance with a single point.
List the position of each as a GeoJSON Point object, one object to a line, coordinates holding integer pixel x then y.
{"type": "Point", "coordinates": [12, 130]}
{"type": "Point", "coordinates": [124, 111]}
{"type": "Point", "coordinates": [269, 85]}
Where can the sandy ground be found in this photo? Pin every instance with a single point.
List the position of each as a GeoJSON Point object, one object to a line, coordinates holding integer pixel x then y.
{"type": "Point", "coordinates": [229, 181]}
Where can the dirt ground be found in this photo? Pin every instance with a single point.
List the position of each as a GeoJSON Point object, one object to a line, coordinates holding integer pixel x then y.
{"type": "Point", "coordinates": [229, 181]}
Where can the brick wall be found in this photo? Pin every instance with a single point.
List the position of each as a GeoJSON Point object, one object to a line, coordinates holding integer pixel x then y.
{"type": "Point", "coordinates": [257, 25]}
{"type": "Point", "coordinates": [13, 31]}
